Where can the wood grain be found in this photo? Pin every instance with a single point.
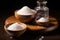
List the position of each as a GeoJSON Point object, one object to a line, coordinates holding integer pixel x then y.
{"type": "Point", "coordinates": [54, 21]}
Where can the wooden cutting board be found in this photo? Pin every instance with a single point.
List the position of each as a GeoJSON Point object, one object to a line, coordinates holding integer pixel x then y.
{"type": "Point", "coordinates": [12, 19]}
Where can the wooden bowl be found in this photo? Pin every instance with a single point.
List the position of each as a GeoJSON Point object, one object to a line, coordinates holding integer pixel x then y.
{"type": "Point", "coordinates": [25, 18]}
{"type": "Point", "coordinates": [15, 33]}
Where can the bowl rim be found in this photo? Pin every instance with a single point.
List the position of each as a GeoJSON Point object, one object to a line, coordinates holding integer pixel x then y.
{"type": "Point", "coordinates": [33, 11]}
{"type": "Point", "coordinates": [25, 26]}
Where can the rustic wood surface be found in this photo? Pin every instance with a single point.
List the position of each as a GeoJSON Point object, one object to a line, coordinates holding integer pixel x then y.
{"type": "Point", "coordinates": [53, 20]}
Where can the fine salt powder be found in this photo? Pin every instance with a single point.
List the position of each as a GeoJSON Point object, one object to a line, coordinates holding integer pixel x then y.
{"type": "Point", "coordinates": [16, 27]}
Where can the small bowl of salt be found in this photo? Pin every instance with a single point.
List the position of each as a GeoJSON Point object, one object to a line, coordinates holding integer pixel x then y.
{"type": "Point", "coordinates": [25, 14]}
{"type": "Point", "coordinates": [42, 21]}
{"type": "Point", "coordinates": [15, 29]}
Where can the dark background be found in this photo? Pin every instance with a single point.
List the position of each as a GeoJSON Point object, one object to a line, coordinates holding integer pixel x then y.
{"type": "Point", "coordinates": [7, 8]}
{"type": "Point", "coordinates": [11, 5]}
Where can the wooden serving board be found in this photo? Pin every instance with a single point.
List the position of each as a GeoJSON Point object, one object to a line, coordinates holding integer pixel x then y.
{"type": "Point", "coordinates": [12, 19]}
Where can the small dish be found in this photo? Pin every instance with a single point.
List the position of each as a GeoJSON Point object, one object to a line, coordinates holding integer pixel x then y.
{"type": "Point", "coordinates": [15, 33]}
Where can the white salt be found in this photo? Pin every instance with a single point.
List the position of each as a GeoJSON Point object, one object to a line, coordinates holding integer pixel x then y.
{"type": "Point", "coordinates": [42, 20]}
{"type": "Point", "coordinates": [25, 11]}
{"type": "Point", "coordinates": [16, 27]}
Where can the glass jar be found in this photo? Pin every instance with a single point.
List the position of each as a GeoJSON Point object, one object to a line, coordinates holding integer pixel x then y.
{"type": "Point", "coordinates": [42, 10]}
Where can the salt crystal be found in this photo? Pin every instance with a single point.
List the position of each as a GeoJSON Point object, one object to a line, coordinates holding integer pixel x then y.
{"type": "Point", "coordinates": [25, 11]}
{"type": "Point", "coordinates": [42, 20]}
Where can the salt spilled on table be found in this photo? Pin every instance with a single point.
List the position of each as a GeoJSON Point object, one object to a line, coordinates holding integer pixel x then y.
{"type": "Point", "coordinates": [16, 27]}
{"type": "Point", "coordinates": [25, 11]}
{"type": "Point", "coordinates": [42, 19]}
